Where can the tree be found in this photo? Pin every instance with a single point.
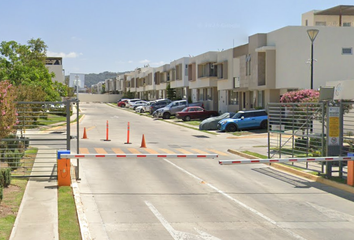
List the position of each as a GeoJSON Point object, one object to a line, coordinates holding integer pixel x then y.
{"type": "Point", "coordinates": [171, 92]}
{"type": "Point", "coordinates": [8, 115]}
{"type": "Point", "coordinates": [25, 65]}
{"type": "Point", "coordinates": [61, 89]}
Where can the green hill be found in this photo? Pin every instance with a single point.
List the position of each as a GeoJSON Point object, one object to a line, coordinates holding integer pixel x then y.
{"type": "Point", "coordinates": [94, 78]}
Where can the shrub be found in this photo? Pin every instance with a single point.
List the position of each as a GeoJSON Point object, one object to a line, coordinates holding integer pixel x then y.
{"type": "Point", "coordinates": [2, 180]}
{"type": "Point", "coordinates": [13, 159]}
{"type": "Point", "coordinates": [6, 174]}
{"type": "Point", "coordinates": [8, 115]}
{"type": "Point", "coordinates": [1, 194]}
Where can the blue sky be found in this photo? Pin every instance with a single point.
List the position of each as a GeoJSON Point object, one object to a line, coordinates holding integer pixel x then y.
{"type": "Point", "coordinates": [94, 36]}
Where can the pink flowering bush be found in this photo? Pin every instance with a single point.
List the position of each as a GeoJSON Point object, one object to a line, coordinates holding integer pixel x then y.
{"type": "Point", "coordinates": [8, 115]}
{"type": "Point", "coordinates": [301, 96]}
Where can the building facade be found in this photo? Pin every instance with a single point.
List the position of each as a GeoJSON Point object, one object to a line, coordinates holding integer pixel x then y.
{"type": "Point", "coordinates": [55, 65]}
{"type": "Point", "coordinates": [251, 75]}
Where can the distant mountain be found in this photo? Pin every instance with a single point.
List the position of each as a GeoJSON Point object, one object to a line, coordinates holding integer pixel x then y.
{"type": "Point", "coordinates": [94, 78]}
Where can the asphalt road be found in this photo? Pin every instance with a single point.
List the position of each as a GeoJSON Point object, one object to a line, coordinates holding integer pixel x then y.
{"type": "Point", "coordinates": [196, 198]}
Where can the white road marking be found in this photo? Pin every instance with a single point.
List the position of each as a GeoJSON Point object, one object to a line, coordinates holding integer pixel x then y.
{"type": "Point", "coordinates": [237, 201]}
{"type": "Point", "coordinates": [178, 235]}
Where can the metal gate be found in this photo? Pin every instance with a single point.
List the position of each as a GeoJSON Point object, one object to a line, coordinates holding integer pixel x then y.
{"type": "Point", "coordinates": [42, 129]}
{"type": "Point", "coordinates": [300, 130]}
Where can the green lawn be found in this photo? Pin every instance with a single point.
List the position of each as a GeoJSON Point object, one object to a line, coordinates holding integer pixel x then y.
{"type": "Point", "coordinates": [10, 205]}
{"type": "Point", "coordinates": [49, 119]}
{"type": "Point", "coordinates": [68, 223]}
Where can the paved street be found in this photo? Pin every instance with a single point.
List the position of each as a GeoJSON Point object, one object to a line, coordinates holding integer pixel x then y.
{"type": "Point", "coordinates": [196, 198]}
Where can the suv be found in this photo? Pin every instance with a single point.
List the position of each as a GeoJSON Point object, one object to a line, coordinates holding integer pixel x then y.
{"type": "Point", "coordinates": [174, 107]}
{"type": "Point", "coordinates": [171, 109]}
{"type": "Point", "coordinates": [160, 103]}
{"type": "Point", "coordinates": [244, 120]}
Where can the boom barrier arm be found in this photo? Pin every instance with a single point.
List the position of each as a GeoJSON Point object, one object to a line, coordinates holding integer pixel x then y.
{"type": "Point", "coordinates": [65, 155]}
{"type": "Point", "coordinates": [280, 160]}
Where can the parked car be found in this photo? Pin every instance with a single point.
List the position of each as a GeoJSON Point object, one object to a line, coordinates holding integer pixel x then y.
{"type": "Point", "coordinates": [136, 104]}
{"type": "Point", "coordinates": [139, 109]}
{"type": "Point", "coordinates": [244, 120]}
{"type": "Point", "coordinates": [130, 101]}
{"type": "Point", "coordinates": [174, 107]}
{"type": "Point", "coordinates": [122, 103]}
{"type": "Point", "coordinates": [195, 112]}
{"type": "Point", "coordinates": [147, 107]}
{"type": "Point", "coordinates": [212, 122]}
{"type": "Point", "coordinates": [159, 103]}
{"type": "Point", "coordinates": [144, 108]}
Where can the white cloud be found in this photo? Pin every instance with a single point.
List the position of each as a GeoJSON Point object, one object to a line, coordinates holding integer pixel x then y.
{"type": "Point", "coordinates": [157, 64]}
{"type": "Point", "coordinates": [130, 61]}
{"type": "Point", "coordinates": [63, 55]}
{"type": "Point", "coordinates": [144, 61]}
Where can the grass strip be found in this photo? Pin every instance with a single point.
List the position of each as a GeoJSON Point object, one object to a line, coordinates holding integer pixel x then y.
{"type": "Point", "coordinates": [288, 165]}
{"type": "Point", "coordinates": [255, 154]}
{"type": "Point", "coordinates": [68, 222]}
{"type": "Point", "coordinates": [10, 206]}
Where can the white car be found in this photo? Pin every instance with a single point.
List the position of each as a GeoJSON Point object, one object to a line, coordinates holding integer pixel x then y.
{"type": "Point", "coordinates": [144, 108]}
{"type": "Point", "coordinates": [139, 109]}
{"type": "Point", "coordinates": [136, 104]}
{"type": "Point", "coordinates": [130, 101]}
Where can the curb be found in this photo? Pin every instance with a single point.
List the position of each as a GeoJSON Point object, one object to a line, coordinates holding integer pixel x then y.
{"type": "Point", "coordinates": [83, 223]}
{"type": "Point", "coordinates": [281, 167]}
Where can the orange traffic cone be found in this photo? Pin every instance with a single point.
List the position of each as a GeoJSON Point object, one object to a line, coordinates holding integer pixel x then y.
{"type": "Point", "coordinates": [85, 136]}
{"type": "Point", "coordinates": [143, 145]}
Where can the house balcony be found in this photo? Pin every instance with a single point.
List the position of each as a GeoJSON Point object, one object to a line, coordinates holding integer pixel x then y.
{"type": "Point", "coordinates": [207, 81]}
{"type": "Point", "coordinates": [149, 87]}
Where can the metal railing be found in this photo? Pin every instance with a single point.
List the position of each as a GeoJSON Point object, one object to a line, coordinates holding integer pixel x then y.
{"type": "Point", "coordinates": [42, 129]}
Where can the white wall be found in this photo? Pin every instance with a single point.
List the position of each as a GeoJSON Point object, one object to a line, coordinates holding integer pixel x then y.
{"type": "Point", "coordinates": [293, 50]}
{"type": "Point", "coordinates": [106, 98]}
{"type": "Point", "coordinates": [342, 89]}
{"type": "Point", "coordinates": [58, 71]}
{"type": "Point", "coordinates": [222, 101]}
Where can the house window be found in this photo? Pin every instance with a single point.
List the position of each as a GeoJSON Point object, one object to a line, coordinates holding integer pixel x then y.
{"type": "Point", "coordinates": [306, 22]}
{"type": "Point", "coordinates": [320, 23]}
{"type": "Point", "coordinates": [248, 65]}
{"type": "Point", "coordinates": [347, 51]}
{"type": "Point", "coordinates": [220, 72]}
{"type": "Point", "coordinates": [347, 24]}
{"type": "Point", "coordinates": [233, 97]}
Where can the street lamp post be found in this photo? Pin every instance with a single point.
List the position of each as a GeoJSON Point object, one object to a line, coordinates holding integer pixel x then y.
{"type": "Point", "coordinates": [77, 84]}
{"type": "Point", "coordinates": [312, 35]}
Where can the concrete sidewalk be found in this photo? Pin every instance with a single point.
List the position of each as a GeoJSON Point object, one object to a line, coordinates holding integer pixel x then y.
{"type": "Point", "coordinates": [37, 217]}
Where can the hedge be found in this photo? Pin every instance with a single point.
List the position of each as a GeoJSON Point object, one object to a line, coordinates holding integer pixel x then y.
{"type": "Point", "coordinates": [5, 180]}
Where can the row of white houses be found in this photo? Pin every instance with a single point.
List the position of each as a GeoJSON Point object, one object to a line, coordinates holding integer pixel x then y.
{"type": "Point", "coordinates": [260, 71]}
